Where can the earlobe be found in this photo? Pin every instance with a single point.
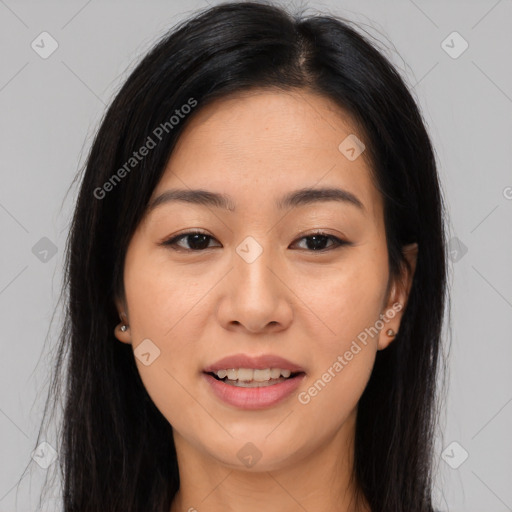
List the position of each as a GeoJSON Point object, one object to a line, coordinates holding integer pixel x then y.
{"type": "Point", "coordinates": [122, 333]}
{"type": "Point", "coordinates": [391, 318]}
{"type": "Point", "coordinates": [386, 336]}
{"type": "Point", "coordinates": [122, 329]}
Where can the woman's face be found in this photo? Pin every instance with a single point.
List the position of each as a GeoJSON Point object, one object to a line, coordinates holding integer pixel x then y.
{"type": "Point", "coordinates": [257, 283]}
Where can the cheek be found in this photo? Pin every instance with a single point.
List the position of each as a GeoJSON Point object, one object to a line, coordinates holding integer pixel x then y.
{"type": "Point", "coordinates": [165, 309]}
{"type": "Point", "coordinates": [331, 395]}
{"type": "Point", "coordinates": [348, 302]}
{"type": "Point", "coordinates": [347, 299]}
{"type": "Point", "coordinates": [167, 379]}
{"type": "Point", "coordinates": [163, 300]}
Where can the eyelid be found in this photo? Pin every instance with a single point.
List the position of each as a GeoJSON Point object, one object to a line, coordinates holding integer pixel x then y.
{"type": "Point", "coordinates": [337, 241]}
{"type": "Point", "coordinates": [171, 242]}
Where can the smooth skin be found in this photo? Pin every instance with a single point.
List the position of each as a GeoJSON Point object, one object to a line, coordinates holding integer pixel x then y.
{"type": "Point", "coordinates": [198, 305]}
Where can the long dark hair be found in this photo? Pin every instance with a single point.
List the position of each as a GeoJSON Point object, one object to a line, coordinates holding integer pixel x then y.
{"type": "Point", "coordinates": [116, 448]}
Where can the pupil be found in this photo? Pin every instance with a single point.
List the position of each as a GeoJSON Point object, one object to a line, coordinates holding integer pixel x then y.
{"type": "Point", "coordinates": [318, 242]}
{"type": "Point", "coordinates": [203, 241]}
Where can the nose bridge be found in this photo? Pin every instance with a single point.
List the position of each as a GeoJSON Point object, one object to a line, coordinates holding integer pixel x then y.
{"type": "Point", "coordinates": [256, 300]}
{"type": "Point", "coordinates": [253, 264]}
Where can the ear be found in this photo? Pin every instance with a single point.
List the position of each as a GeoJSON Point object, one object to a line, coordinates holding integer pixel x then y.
{"type": "Point", "coordinates": [123, 336]}
{"type": "Point", "coordinates": [397, 296]}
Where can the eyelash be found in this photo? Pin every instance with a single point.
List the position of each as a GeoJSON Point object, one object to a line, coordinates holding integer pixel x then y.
{"type": "Point", "coordinates": [172, 242]}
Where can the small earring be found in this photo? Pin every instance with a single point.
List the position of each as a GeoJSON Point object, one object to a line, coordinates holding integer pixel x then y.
{"type": "Point", "coordinates": [124, 328]}
{"type": "Point", "coordinates": [390, 332]}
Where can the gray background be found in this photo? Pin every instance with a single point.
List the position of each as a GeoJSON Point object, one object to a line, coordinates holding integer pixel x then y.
{"type": "Point", "coordinates": [51, 108]}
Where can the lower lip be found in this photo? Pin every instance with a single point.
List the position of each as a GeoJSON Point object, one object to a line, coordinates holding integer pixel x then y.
{"type": "Point", "coordinates": [253, 398]}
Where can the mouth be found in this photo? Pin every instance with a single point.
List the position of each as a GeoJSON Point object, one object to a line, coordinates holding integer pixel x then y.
{"type": "Point", "coordinates": [253, 382]}
{"type": "Point", "coordinates": [254, 378]}
{"type": "Point", "coordinates": [242, 391]}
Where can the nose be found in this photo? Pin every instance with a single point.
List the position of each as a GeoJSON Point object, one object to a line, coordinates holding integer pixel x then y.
{"type": "Point", "coordinates": [255, 297]}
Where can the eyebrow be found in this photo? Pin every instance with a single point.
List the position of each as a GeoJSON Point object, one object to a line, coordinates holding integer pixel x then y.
{"type": "Point", "coordinates": [293, 199]}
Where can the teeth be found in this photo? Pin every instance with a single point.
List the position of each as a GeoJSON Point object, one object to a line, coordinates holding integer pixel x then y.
{"type": "Point", "coordinates": [248, 374]}
{"type": "Point", "coordinates": [245, 374]}
{"type": "Point", "coordinates": [275, 373]}
{"type": "Point", "coordinates": [260, 375]}
{"type": "Point", "coordinates": [253, 383]}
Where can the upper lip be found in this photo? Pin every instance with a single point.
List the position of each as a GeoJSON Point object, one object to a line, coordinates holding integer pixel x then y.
{"type": "Point", "coordinates": [255, 362]}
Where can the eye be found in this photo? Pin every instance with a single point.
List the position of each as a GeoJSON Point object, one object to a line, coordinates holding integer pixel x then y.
{"type": "Point", "coordinates": [319, 239]}
{"type": "Point", "coordinates": [199, 241]}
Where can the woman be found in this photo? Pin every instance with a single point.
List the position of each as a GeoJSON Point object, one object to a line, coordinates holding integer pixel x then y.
{"type": "Point", "coordinates": [256, 279]}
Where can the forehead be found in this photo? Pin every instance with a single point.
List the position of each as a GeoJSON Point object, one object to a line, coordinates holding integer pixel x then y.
{"type": "Point", "coordinates": [257, 146]}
